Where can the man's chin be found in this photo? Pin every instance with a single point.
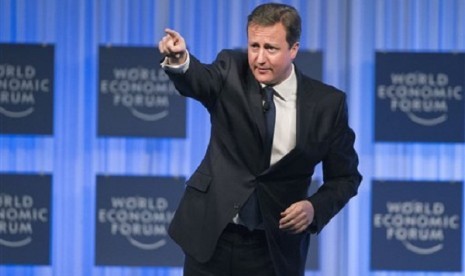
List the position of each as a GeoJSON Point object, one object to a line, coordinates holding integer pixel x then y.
{"type": "Point", "coordinates": [265, 79]}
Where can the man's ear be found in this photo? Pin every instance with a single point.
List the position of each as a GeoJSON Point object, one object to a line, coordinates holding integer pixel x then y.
{"type": "Point", "coordinates": [295, 49]}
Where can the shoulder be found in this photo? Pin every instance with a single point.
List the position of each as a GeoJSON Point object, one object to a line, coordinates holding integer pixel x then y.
{"type": "Point", "coordinates": [318, 88]}
{"type": "Point", "coordinates": [239, 54]}
{"type": "Point", "coordinates": [231, 62]}
{"type": "Point", "coordinates": [235, 56]}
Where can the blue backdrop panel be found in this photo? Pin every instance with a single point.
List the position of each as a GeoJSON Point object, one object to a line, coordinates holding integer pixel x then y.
{"type": "Point", "coordinates": [136, 97]}
{"type": "Point", "coordinates": [25, 219]}
{"type": "Point", "coordinates": [26, 88]}
{"type": "Point", "coordinates": [417, 226]}
{"type": "Point", "coordinates": [133, 214]}
{"type": "Point", "coordinates": [420, 97]}
{"type": "Point", "coordinates": [310, 63]}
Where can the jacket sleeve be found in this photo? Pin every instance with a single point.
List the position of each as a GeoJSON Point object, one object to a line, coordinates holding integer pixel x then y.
{"type": "Point", "coordinates": [341, 178]}
{"type": "Point", "coordinates": [202, 82]}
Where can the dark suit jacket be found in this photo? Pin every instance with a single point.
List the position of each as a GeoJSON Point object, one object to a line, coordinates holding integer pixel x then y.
{"type": "Point", "coordinates": [234, 164]}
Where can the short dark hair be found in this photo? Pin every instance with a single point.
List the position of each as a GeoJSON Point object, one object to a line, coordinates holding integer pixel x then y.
{"type": "Point", "coordinates": [272, 13]}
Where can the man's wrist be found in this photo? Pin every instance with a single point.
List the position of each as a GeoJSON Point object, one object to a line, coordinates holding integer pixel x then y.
{"type": "Point", "coordinates": [176, 68]}
{"type": "Point", "coordinates": [313, 226]}
{"type": "Point", "coordinates": [176, 59]}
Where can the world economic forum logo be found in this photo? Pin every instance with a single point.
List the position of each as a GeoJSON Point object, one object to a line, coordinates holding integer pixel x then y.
{"type": "Point", "coordinates": [135, 96]}
{"type": "Point", "coordinates": [419, 226]}
{"type": "Point", "coordinates": [26, 88]}
{"type": "Point", "coordinates": [422, 96]}
{"type": "Point", "coordinates": [25, 218]}
{"type": "Point", "coordinates": [19, 88]}
{"type": "Point", "coordinates": [18, 215]}
{"type": "Point", "coordinates": [132, 217]}
{"type": "Point", "coordinates": [143, 221]}
{"type": "Point", "coordinates": [419, 222]}
{"type": "Point", "coordinates": [145, 92]}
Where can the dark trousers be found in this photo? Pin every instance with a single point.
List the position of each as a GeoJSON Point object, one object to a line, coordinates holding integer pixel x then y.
{"type": "Point", "coordinates": [239, 252]}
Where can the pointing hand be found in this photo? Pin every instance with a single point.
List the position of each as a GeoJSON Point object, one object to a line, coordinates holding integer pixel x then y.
{"type": "Point", "coordinates": [173, 46]}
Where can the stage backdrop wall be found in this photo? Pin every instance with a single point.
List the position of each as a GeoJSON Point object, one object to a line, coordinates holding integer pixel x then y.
{"type": "Point", "coordinates": [347, 32]}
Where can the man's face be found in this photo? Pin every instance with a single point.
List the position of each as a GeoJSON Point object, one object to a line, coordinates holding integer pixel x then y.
{"type": "Point", "coordinates": [270, 57]}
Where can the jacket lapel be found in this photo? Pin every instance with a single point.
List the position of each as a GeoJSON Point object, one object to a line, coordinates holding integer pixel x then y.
{"type": "Point", "coordinates": [305, 109]}
{"type": "Point", "coordinates": [255, 104]}
{"type": "Point", "coordinates": [305, 105]}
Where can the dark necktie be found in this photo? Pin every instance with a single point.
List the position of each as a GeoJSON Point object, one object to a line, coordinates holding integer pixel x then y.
{"type": "Point", "coordinates": [250, 212]}
{"type": "Point", "coordinates": [270, 116]}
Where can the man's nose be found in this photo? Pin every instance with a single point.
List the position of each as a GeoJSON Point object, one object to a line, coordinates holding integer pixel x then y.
{"type": "Point", "coordinates": [261, 56]}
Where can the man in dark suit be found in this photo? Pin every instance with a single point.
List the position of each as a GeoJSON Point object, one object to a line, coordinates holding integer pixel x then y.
{"type": "Point", "coordinates": [245, 210]}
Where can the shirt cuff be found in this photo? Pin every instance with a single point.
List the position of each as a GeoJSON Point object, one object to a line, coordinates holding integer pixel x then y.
{"type": "Point", "coordinates": [177, 69]}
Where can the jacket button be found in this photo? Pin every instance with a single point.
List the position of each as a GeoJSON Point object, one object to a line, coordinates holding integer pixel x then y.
{"type": "Point", "coordinates": [236, 206]}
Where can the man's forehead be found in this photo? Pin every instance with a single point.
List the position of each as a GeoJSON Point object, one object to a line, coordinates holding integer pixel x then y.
{"type": "Point", "coordinates": [272, 30]}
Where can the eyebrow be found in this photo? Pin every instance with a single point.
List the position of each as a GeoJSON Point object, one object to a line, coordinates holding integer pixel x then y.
{"type": "Point", "coordinates": [271, 45]}
{"type": "Point", "coordinates": [267, 45]}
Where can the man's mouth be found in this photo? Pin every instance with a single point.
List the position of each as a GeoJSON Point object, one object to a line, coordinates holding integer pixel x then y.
{"type": "Point", "coordinates": [263, 70]}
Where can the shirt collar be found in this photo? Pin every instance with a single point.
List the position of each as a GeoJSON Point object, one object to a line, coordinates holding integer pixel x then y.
{"type": "Point", "coordinates": [287, 89]}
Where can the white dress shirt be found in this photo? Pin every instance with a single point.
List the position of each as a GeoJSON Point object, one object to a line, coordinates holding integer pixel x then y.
{"type": "Point", "coordinates": [284, 138]}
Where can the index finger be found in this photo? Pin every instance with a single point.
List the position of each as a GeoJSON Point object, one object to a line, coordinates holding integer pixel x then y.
{"type": "Point", "coordinates": [172, 33]}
